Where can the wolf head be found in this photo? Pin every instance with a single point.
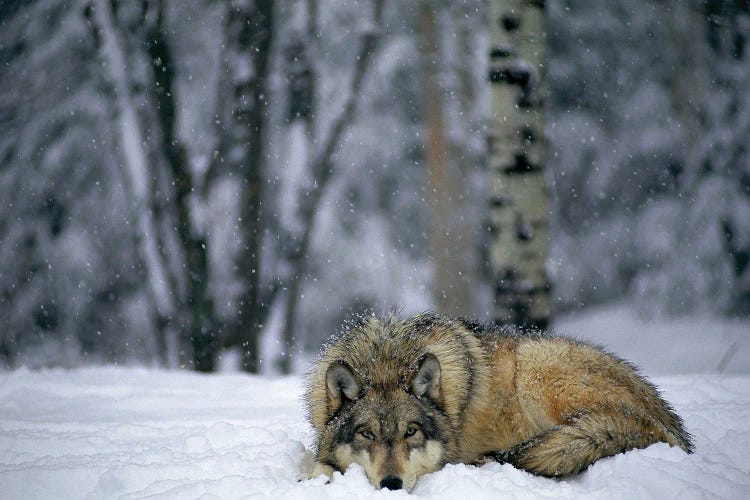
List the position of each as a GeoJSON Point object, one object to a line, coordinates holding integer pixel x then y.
{"type": "Point", "coordinates": [395, 432]}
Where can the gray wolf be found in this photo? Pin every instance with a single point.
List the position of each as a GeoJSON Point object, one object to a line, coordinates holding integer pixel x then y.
{"type": "Point", "coordinates": [402, 398]}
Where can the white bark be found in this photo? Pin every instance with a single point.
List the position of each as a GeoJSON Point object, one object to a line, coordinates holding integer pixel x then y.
{"type": "Point", "coordinates": [519, 215]}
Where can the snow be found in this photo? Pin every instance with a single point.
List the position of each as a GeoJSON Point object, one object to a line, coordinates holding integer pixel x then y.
{"type": "Point", "coordinates": [701, 343]}
{"type": "Point", "coordinates": [135, 433]}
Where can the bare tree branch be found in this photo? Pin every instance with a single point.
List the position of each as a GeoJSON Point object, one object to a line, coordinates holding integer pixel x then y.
{"type": "Point", "coordinates": [322, 169]}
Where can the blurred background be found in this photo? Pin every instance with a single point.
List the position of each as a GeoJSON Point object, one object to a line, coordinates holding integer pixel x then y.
{"type": "Point", "coordinates": [219, 184]}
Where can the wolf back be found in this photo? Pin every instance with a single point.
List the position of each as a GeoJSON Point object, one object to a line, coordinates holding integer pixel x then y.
{"type": "Point", "coordinates": [404, 397]}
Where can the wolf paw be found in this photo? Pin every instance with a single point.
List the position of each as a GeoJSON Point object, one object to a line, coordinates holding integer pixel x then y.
{"type": "Point", "coordinates": [310, 468]}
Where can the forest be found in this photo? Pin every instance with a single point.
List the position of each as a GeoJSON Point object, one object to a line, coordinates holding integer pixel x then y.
{"type": "Point", "coordinates": [186, 182]}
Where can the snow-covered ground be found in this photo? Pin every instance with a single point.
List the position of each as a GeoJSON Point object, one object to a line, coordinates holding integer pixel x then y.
{"type": "Point", "coordinates": [136, 433]}
{"type": "Point", "coordinates": [664, 346]}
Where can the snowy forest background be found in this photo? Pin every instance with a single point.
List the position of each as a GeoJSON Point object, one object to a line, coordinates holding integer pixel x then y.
{"type": "Point", "coordinates": [131, 198]}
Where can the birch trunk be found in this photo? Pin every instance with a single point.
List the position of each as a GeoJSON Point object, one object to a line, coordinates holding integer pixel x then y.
{"type": "Point", "coordinates": [518, 211]}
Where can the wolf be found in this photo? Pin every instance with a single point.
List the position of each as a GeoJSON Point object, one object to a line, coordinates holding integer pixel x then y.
{"type": "Point", "coordinates": [404, 397]}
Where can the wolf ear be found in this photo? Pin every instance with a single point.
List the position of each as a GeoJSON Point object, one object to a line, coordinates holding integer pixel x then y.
{"type": "Point", "coordinates": [341, 383]}
{"type": "Point", "coordinates": [427, 379]}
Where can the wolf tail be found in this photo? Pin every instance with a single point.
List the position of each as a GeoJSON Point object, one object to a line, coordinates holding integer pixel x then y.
{"type": "Point", "coordinates": [570, 448]}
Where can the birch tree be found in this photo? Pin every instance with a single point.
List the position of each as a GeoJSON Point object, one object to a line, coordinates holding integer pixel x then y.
{"type": "Point", "coordinates": [518, 212]}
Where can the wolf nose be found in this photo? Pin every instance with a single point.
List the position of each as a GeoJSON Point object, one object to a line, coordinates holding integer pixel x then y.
{"type": "Point", "coordinates": [392, 483]}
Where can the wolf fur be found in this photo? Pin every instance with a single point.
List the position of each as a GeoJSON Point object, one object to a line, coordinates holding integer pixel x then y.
{"type": "Point", "coordinates": [402, 398]}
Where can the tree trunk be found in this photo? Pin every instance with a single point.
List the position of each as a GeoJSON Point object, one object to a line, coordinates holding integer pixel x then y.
{"type": "Point", "coordinates": [467, 160]}
{"type": "Point", "coordinates": [451, 245]}
{"type": "Point", "coordinates": [689, 80]}
{"type": "Point", "coordinates": [199, 308]}
{"type": "Point", "coordinates": [518, 212]}
{"type": "Point", "coordinates": [249, 37]}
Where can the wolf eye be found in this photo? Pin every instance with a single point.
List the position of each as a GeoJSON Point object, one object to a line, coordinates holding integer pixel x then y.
{"type": "Point", "coordinates": [411, 430]}
{"type": "Point", "coordinates": [368, 435]}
